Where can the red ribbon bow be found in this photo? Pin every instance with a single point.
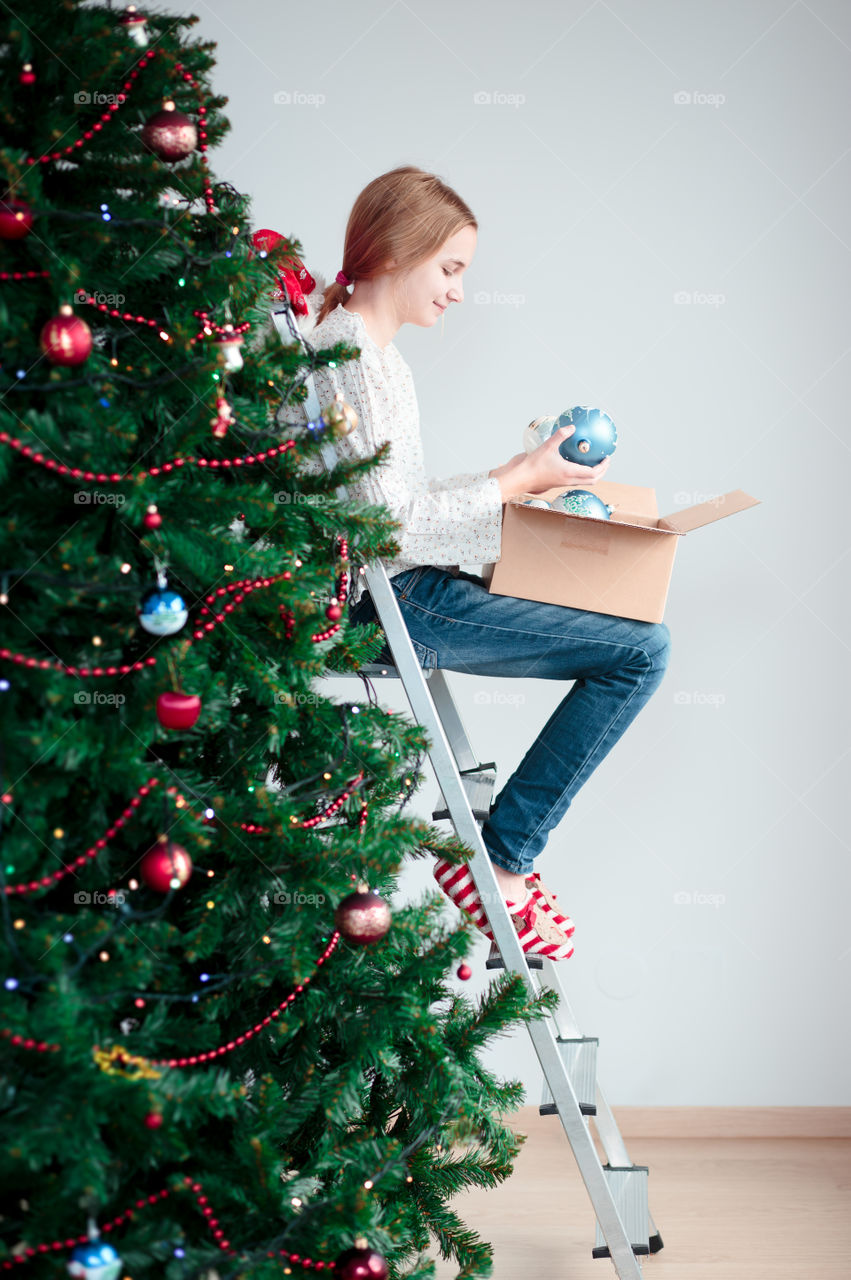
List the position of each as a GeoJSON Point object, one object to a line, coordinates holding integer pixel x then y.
{"type": "Point", "coordinates": [294, 279]}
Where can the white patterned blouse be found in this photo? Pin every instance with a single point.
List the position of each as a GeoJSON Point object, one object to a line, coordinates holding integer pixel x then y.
{"type": "Point", "coordinates": [445, 523]}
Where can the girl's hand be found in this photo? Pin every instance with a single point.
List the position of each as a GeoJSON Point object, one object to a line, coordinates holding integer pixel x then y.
{"type": "Point", "coordinates": [545, 468]}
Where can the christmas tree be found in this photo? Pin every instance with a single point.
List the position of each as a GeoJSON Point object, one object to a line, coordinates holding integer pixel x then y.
{"type": "Point", "coordinates": [221, 1048]}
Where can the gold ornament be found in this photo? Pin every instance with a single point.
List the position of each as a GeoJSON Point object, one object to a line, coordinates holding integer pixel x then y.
{"type": "Point", "coordinates": [118, 1062]}
{"type": "Point", "coordinates": [340, 417]}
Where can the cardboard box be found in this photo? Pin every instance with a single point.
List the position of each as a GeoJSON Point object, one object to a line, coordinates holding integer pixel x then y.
{"type": "Point", "coordinates": [620, 566]}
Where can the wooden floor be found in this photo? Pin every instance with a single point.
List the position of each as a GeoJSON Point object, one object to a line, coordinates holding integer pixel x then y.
{"type": "Point", "coordinates": [727, 1208]}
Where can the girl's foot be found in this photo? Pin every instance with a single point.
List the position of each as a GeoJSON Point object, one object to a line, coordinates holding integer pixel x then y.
{"type": "Point", "coordinates": [536, 928]}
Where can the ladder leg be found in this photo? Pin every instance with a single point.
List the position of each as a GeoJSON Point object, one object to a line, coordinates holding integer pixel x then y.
{"type": "Point", "coordinates": [444, 762]}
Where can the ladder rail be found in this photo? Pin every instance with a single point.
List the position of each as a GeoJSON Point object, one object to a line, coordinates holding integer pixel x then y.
{"type": "Point", "coordinates": [447, 770]}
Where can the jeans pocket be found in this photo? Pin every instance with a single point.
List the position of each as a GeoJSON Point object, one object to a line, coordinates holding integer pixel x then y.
{"type": "Point", "coordinates": [404, 583]}
{"type": "Point", "coordinates": [426, 657]}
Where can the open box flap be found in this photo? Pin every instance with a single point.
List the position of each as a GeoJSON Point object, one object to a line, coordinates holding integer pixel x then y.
{"type": "Point", "coordinates": [725, 504]}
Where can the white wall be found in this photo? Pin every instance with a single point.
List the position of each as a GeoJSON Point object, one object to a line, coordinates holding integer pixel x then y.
{"type": "Point", "coordinates": [601, 198]}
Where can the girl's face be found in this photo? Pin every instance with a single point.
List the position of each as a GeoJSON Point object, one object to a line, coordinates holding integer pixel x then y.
{"type": "Point", "coordinates": [424, 293]}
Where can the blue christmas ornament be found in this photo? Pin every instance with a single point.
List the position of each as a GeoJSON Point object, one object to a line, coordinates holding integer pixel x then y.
{"type": "Point", "coordinates": [95, 1260]}
{"type": "Point", "coordinates": [593, 440]}
{"type": "Point", "coordinates": [536, 502]}
{"type": "Point", "coordinates": [581, 502]}
{"type": "Point", "coordinates": [162, 611]}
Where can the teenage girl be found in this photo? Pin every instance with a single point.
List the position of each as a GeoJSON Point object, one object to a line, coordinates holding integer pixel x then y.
{"type": "Point", "coordinates": [409, 241]}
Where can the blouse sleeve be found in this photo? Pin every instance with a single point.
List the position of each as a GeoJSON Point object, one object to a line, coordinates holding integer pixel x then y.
{"type": "Point", "coordinates": [453, 521]}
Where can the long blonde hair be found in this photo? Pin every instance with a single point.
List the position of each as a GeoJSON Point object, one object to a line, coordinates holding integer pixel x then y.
{"type": "Point", "coordinates": [406, 215]}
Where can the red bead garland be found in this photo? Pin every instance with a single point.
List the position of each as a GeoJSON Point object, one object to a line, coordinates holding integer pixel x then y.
{"type": "Point", "coordinates": [46, 882]}
{"type": "Point", "coordinates": [243, 587]}
{"type": "Point", "coordinates": [24, 275]}
{"type": "Point", "coordinates": [334, 611]}
{"type": "Point", "coordinates": [189, 1184]}
{"type": "Point", "coordinates": [210, 327]}
{"type": "Point", "coordinates": [194, 1059]}
{"type": "Point", "coordinates": [107, 115]}
{"type": "Point", "coordinates": [121, 315]}
{"type": "Point", "coordinates": [78, 473]}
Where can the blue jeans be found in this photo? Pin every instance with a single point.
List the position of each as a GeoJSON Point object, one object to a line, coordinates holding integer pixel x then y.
{"type": "Point", "coordinates": [615, 664]}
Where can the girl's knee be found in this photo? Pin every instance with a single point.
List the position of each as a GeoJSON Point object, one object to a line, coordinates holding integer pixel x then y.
{"type": "Point", "coordinates": [658, 645]}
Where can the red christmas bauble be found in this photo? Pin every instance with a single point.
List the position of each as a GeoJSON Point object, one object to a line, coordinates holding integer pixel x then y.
{"type": "Point", "coordinates": [333, 612]}
{"type": "Point", "coordinates": [170, 134]}
{"type": "Point", "coordinates": [66, 339]}
{"type": "Point", "coordinates": [464, 972]}
{"type": "Point", "coordinates": [16, 220]}
{"type": "Point", "coordinates": [178, 710]}
{"type": "Point", "coordinates": [152, 518]}
{"type": "Point", "coordinates": [153, 1120]}
{"type": "Point", "coordinates": [27, 75]}
{"type": "Point", "coordinates": [363, 917]}
{"type": "Point", "coordinates": [164, 862]}
{"type": "Point", "coordinates": [361, 1264]}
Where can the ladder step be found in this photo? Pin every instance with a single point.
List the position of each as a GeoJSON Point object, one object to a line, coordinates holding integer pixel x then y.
{"type": "Point", "coordinates": [629, 1192]}
{"type": "Point", "coordinates": [495, 960]}
{"type": "Point", "coordinates": [375, 671]}
{"type": "Point", "coordinates": [580, 1059]}
{"type": "Point", "coordinates": [478, 783]}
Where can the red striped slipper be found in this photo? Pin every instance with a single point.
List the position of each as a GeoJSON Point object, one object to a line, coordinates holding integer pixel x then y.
{"type": "Point", "coordinates": [548, 901]}
{"type": "Point", "coordinates": [536, 929]}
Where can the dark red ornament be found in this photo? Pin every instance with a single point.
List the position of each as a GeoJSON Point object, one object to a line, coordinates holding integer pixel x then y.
{"type": "Point", "coordinates": [152, 518]}
{"type": "Point", "coordinates": [363, 917]}
{"type": "Point", "coordinates": [333, 612]}
{"type": "Point", "coordinates": [16, 219]}
{"type": "Point", "coordinates": [170, 134]}
{"type": "Point", "coordinates": [464, 972]}
{"type": "Point", "coordinates": [66, 339]}
{"type": "Point", "coordinates": [27, 75]}
{"type": "Point", "coordinates": [178, 710]}
{"type": "Point", "coordinates": [164, 862]}
{"type": "Point", "coordinates": [153, 1120]}
{"type": "Point", "coordinates": [361, 1263]}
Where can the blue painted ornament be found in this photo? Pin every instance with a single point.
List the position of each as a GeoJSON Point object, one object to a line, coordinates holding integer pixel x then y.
{"type": "Point", "coordinates": [162, 611]}
{"type": "Point", "coordinates": [536, 502]}
{"type": "Point", "coordinates": [581, 502]}
{"type": "Point", "coordinates": [594, 437]}
{"type": "Point", "coordinates": [95, 1260]}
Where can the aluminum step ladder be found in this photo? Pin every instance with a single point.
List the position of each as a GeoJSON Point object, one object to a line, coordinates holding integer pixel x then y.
{"type": "Point", "coordinates": [618, 1188]}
